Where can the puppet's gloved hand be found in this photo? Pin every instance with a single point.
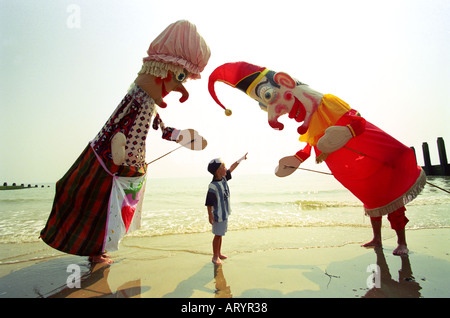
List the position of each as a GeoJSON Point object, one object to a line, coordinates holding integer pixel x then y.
{"type": "Point", "coordinates": [322, 157]}
{"type": "Point", "coordinates": [287, 166]}
{"type": "Point", "coordinates": [334, 139]}
{"type": "Point", "coordinates": [191, 139]}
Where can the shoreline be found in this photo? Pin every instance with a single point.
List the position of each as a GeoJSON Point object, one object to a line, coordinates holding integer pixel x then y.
{"type": "Point", "coordinates": [262, 263]}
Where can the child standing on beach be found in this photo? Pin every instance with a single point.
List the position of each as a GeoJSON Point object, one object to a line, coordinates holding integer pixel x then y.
{"type": "Point", "coordinates": [218, 203]}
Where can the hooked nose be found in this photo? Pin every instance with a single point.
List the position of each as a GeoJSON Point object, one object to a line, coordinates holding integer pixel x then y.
{"type": "Point", "coordinates": [184, 93]}
{"type": "Point", "coordinates": [275, 124]}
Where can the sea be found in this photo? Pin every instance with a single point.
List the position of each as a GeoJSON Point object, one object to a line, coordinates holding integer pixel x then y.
{"type": "Point", "coordinates": [177, 206]}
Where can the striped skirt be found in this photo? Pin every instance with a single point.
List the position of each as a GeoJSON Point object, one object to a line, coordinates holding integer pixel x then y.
{"type": "Point", "coordinates": [78, 220]}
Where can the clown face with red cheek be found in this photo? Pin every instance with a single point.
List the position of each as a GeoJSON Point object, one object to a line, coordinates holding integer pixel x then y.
{"type": "Point", "coordinates": [277, 93]}
{"type": "Point", "coordinates": [375, 167]}
{"type": "Point", "coordinates": [280, 94]}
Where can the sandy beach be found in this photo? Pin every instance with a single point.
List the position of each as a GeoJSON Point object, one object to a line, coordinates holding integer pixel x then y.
{"type": "Point", "coordinates": [262, 263]}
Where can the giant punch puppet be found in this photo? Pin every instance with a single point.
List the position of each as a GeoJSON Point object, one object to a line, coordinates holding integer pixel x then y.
{"type": "Point", "coordinates": [379, 170]}
{"type": "Point", "coordinates": [99, 199]}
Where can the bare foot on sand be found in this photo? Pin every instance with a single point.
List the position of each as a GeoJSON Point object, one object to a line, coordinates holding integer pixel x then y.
{"type": "Point", "coordinates": [401, 250]}
{"type": "Point", "coordinates": [373, 243]}
{"type": "Point", "coordinates": [216, 260]}
{"type": "Point", "coordinates": [221, 256]}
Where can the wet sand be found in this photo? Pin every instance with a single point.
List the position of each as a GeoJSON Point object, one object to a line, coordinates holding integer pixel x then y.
{"type": "Point", "coordinates": [286, 262]}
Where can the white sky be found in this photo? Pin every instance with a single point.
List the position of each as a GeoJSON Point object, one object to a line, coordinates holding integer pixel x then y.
{"type": "Point", "coordinates": [58, 84]}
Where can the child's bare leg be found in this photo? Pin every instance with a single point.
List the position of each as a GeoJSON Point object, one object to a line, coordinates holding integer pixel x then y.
{"type": "Point", "coordinates": [402, 248]}
{"type": "Point", "coordinates": [376, 228]}
{"type": "Point", "coordinates": [221, 256]}
{"type": "Point", "coordinates": [217, 243]}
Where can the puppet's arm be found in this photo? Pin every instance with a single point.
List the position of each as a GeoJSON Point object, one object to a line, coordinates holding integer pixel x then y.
{"type": "Point", "coordinates": [188, 138]}
{"type": "Point", "coordinates": [349, 126]}
{"type": "Point", "coordinates": [168, 133]}
{"type": "Point", "coordinates": [289, 164]}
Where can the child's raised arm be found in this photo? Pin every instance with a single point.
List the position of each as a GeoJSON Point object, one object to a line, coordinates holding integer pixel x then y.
{"type": "Point", "coordinates": [234, 165]}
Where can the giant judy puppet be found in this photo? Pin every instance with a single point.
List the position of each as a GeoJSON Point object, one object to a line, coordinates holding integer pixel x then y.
{"type": "Point", "coordinates": [99, 199]}
{"type": "Point", "coordinates": [379, 170]}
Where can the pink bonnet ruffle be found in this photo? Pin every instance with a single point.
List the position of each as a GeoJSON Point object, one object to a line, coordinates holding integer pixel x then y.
{"type": "Point", "coordinates": [178, 47]}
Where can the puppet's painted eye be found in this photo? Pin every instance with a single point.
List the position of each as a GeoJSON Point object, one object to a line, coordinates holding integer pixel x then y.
{"type": "Point", "coordinates": [181, 77]}
{"type": "Point", "coordinates": [267, 94]}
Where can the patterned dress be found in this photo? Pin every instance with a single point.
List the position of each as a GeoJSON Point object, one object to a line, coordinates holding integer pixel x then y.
{"type": "Point", "coordinates": [79, 218]}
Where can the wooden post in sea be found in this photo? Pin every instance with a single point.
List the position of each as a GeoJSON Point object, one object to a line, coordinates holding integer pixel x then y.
{"type": "Point", "coordinates": [426, 158]}
{"type": "Point", "coordinates": [443, 169]}
{"type": "Point", "coordinates": [443, 156]}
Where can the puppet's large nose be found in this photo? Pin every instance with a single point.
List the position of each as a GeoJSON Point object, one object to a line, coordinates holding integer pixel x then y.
{"type": "Point", "coordinates": [185, 95]}
{"type": "Point", "coordinates": [275, 124]}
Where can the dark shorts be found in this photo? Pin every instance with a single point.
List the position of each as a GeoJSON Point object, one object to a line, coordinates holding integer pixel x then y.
{"type": "Point", "coordinates": [220, 228]}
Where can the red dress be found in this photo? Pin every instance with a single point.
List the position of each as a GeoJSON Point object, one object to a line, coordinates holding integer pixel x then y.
{"type": "Point", "coordinates": [378, 169]}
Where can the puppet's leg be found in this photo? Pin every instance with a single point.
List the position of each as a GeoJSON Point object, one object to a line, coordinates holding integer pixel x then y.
{"type": "Point", "coordinates": [376, 228]}
{"type": "Point", "coordinates": [398, 222]}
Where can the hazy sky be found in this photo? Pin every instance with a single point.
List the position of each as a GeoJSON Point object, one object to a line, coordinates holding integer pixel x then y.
{"type": "Point", "coordinates": [65, 66]}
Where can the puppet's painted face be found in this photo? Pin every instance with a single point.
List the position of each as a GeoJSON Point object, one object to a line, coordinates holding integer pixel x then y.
{"type": "Point", "coordinates": [173, 82]}
{"type": "Point", "coordinates": [279, 94]}
{"type": "Point", "coordinates": [178, 79]}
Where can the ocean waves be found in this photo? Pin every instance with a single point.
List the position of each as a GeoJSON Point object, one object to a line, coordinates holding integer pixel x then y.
{"type": "Point", "coordinates": [301, 213]}
{"type": "Point", "coordinates": [302, 204]}
{"type": "Point", "coordinates": [173, 206]}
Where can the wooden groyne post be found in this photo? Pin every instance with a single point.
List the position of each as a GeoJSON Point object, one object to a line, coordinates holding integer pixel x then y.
{"type": "Point", "coordinates": [443, 169]}
{"type": "Point", "coordinates": [14, 186]}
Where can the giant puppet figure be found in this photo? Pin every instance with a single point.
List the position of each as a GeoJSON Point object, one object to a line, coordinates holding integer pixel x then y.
{"type": "Point", "coordinates": [379, 170]}
{"type": "Point", "coordinates": [99, 199]}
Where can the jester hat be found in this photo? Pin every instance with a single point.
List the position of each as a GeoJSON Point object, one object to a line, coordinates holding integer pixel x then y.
{"type": "Point", "coordinates": [241, 75]}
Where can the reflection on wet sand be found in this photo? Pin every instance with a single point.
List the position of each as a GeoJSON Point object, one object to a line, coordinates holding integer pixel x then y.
{"type": "Point", "coordinates": [94, 284]}
{"type": "Point", "coordinates": [405, 287]}
{"type": "Point", "coordinates": [222, 290]}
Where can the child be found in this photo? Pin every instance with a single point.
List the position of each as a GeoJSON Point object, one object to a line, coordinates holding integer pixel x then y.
{"type": "Point", "coordinates": [218, 203]}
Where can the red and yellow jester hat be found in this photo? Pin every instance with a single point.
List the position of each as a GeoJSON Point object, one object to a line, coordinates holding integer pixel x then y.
{"type": "Point", "coordinates": [241, 75]}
